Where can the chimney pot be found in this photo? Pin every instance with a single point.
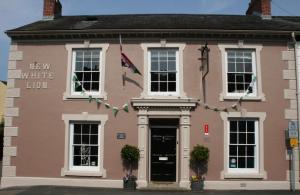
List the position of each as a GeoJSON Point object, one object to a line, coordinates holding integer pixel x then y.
{"type": "Point", "coordinates": [52, 9]}
{"type": "Point", "coordinates": [260, 7]}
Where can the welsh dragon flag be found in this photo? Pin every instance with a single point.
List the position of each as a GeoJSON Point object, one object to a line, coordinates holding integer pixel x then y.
{"type": "Point", "coordinates": [126, 62]}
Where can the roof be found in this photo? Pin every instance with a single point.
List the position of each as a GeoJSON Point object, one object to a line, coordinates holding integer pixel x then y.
{"type": "Point", "coordinates": [4, 82]}
{"type": "Point", "coordinates": [163, 22]}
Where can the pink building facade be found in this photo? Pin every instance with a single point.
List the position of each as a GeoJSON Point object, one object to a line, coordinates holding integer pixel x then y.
{"type": "Point", "coordinates": [65, 71]}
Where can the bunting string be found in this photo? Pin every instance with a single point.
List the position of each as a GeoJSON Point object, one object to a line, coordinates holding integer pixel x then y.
{"type": "Point", "coordinates": [234, 106]}
{"type": "Point", "coordinates": [115, 109]}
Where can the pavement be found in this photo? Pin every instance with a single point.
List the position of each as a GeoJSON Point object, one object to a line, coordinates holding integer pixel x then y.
{"type": "Point", "coordinates": [58, 190]}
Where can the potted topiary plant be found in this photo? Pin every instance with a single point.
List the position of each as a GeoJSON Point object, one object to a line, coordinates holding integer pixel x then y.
{"type": "Point", "coordinates": [198, 163]}
{"type": "Point", "coordinates": [130, 156]}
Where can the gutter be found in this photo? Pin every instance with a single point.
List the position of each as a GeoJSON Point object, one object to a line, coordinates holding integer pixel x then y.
{"type": "Point", "coordinates": [11, 33]}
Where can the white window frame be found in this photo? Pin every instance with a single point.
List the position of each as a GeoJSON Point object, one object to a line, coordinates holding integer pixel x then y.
{"type": "Point", "coordinates": [147, 68]}
{"type": "Point", "coordinates": [162, 93]}
{"type": "Point", "coordinates": [254, 88]}
{"type": "Point", "coordinates": [70, 94]}
{"type": "Point", "coordinates": [68, 168]}
{"type": "Point", "coordinates": [256, 151]}
{"type": "Point", "coordinates": [93, 93]}
{"type": "Point", "coordinates": [71, 152]}
{"type": "Point", "coordinates": [259, 171]}
{"type": "Point", "coordinates": [256, 66]}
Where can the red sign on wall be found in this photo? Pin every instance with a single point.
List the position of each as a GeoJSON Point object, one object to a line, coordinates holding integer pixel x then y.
{"type": "Point", "coordinates": [206, 132]}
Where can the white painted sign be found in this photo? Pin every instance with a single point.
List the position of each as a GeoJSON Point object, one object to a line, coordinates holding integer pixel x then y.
{"type": "Point", "coordinates": [38, 75]}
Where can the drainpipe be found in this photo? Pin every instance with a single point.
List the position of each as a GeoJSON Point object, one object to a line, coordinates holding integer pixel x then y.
{"type": "Point", "coordinates": [295, 151]}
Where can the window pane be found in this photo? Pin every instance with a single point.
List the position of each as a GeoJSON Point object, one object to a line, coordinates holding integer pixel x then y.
{"type": "Point", "coordinates": [95, 66]}
{"type": "Point", "coordinates": [95, 53]}
{"type": "Point", "coordinates": [78, 66]}
{"type": "Point", "coordinates": [231, 87]}
{"type": "Point", "coordinates": [172, 76]}
{"type": "Point", "coordinates": [95, 86]}
{"type": "Point", "coordinates": [233, 126]}
{"type": "Point", "coordinates": [154, 76]}
{"type": "Point", "coordinates": [94, 150]}
{"type": "Point", "coordinates": [94, 139]}
{"type": "Point", "coordinates": [87, 76]}
{"type": "Point", "coordinates": [172, 65]}
{"type": "Point", "coordinates": [79, 56]}
{"type": "Point", "coordinates": [240, 67]}
{"type": "Point", "coordinates": [233, 138]}
{"type": "Point", "coordinates": [163, 77]}
{"type": "Point", "coordinates": [250, 126]}
{"type": "Point", "coordinates": [231, 67]}
{"type": "Point", "coordinates": [240, 88]}
{"type": "Point", "coordinates": [85, 139]}
{"type": "Point", "coordinates": [87, 66]}
{"type": "Point", "coordinates": [248, 67]}
{"type": "Point", "coordinates": [163, 86]}
{"type": "Point", "coordinates": [77, 150]}
{"type": "Point", "coordinates": [85, 129]}
{"type": "Point", "coordinates": [79, 76]}
{"type": "Point", "coordinates": [250, 138]}
{"type": "Point", "coordinates": [242, 150]}
{"type": "Point", "coordinates": [171, 86]}
{"type": "Point", "coordinates": [163, 66]}
{"type": "Point", "coordinates": [242, 138]}
{"type": "Point", "coordinates": [241, 162]}
{"type": "Point", "coordinates": [154, 66]}
{"type": "Point", "coordinates": [232, 150]}
{"type": "Point", "coordinates": [76, 160]}
{"type": "Point", "coordinates": [95, 76]}
{"type": "Point", "coordinates": [231, 77]}
{"type": "Point", "coordinates": [250, 162]}
{"type": "Point", "coordinates": [77, 129]}
{"type": "Point", "coordinates": [242, 126]}
{"type": "Point", "coordinates": [94, 161]}
{"type": "Point", "coordinates": [154, 86]}
{"type": "Point", "coordinates": [233, 162]}
{"type": "Point", "coordinates": [248, 78]}
{"type": "Point", "coordinates": [250, 150]}
{"type": "Point", "coordinates": [239, 78]}
{"type": "Point", "coordinates": [77, 139]}
{"type": "Point", "coordinates": [78, 88]}
{"type": "Point", "coordinates": [87, 86]}
{"type": "Point", "coordinates": [94, 128]}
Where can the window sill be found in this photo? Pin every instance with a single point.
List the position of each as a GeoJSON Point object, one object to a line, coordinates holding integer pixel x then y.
{"type": "Point", "coordinates": [247, 98]}
{"type": "Point", "coordinates": [244, 176]}
{"type": "Point", "coordinates": [82, 173]}
{"type": "Point", "coordinates": [83, 97]}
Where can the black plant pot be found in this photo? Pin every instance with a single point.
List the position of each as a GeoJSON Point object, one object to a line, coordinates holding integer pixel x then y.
{"type": "Point", "coordinates": [197, 185]}
{"type": "Point", "coordinates": [129, 184]}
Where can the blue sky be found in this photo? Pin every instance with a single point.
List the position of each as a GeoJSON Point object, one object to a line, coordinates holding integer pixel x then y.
{"type": "Point", "coordinates": [14, 13]}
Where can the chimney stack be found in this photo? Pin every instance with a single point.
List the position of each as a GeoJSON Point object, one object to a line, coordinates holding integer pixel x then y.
{"type": "Point", "coordinates": [260, 7]}
{"type": "Point", "coordinates": [52, 9]}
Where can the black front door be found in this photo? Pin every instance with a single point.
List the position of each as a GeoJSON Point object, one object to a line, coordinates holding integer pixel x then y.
{"type": "Point", "coordinates": [163, 154]}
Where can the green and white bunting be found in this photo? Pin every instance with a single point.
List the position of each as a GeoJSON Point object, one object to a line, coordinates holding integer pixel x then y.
{"type": "Point", "coordinates": [115, 109]}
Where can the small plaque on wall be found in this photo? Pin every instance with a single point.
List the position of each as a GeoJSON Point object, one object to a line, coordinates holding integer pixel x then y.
{"type": "Point", "coordinates": [121, 135]}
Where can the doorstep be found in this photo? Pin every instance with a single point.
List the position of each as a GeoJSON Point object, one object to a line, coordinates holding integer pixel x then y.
{"type": "Point", "coordinates": [168, 186]}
